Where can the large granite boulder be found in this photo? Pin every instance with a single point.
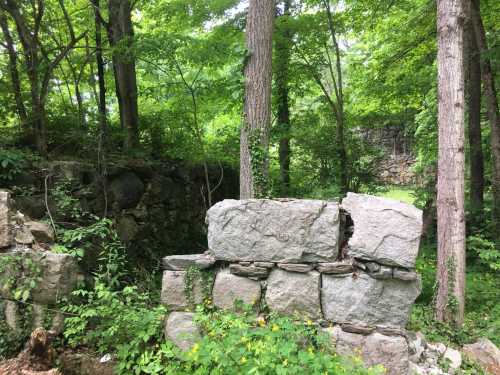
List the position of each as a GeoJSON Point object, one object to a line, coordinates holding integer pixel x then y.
{"type": "Point", "coordinates": [229, 288]}
{"type": "Point", "coordinates": [385, 230]}
{"type": "Point", "coordinates": [375, 349]}
{"type": "Point", "coordinates": [5, 231]}
{"type": "Point", "coordinates": [293, 293]}
{"type": "Point", "coordinates": [361, 299]}
{"type": "Point", "coordinates": [182, 330]}
{"type": "Point", "coordinates": [485, 353]}
{"type": "Point", "coordinates": [284, 230]}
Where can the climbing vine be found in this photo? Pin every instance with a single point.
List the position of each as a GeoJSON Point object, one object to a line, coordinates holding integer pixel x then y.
{"type": "Point", "coordinates": [19, 275]}
{"type": "Point", "coordinates": [258, 160]}
{"type": "Point", "coordinates": [206, 278]}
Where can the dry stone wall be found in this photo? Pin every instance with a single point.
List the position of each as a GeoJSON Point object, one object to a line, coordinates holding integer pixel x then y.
{"type": "Point", "coordinates": [295, 257]}
{"type": "Point", "coordinates": [29, 268]}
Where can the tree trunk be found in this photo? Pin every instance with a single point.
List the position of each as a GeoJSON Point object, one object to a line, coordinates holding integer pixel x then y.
{"type": "Point", "coordinates": [474, 126]}
{"type": "Point", "coordinates": [492, 109]}
{"type": "Point", "coordinates": [121, 37]}
{"type": "Point", "coordinates": [450, 186]}
{"type": "Point", "coordinates": [100, 70]}
{"type": "Point", "coordinates": [14, 74]}
{"type": "Point", "coordinates": [282, 46]}
{"type": "Point", "coordinates": [339, 93]}
{"type": "Point", "coordinates": [254, 141]}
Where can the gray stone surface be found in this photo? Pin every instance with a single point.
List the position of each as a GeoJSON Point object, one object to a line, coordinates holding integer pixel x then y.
{"type": "Point", "coordinates": [173, 290]}
{"type": "Point", "coordinates": [375, 349]}
{"type": "Point", "coordinates": [229, 288]}
{"type": "Point", "coordinates": [59, 276]}
{"type": "Point", "coordinates": [404, 275]}
{"type": "Point", "coordinates": [335, 267]}
{"type": "Point", "coordinates": [485, 353]}
{"type": "Point", "coordinates": [41, 231]}
{"type": "Point", "coordinates": [362, 299]}
{"type": "Point", "coordinates": [24, 236]}
{"type": "Point", "coordinates": [385, 230]}
{"type": "Point", "coordinates": [382, 273]}
{"type": "Point", "coordinates": [5, 231]}
{"type": "Point", "coordinates": [285, 230]}
{"type": "Point", "coordinates": [249, 271]}
{"type": "Point", "coordinates": [264, 264]}
{"type": "Point", "coordinates": [296, 267]}
{"type": "Point", "coordinates": [183, 262]}
{"type": "Point", "coordinates": [293, 293]}
{"type": "Point", "coordinates": [182, 330]}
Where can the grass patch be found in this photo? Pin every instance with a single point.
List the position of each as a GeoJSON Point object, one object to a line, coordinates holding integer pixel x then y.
{"type": "Point", "coordinates": [403, 194]}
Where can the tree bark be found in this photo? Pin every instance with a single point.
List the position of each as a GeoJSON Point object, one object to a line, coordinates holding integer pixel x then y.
{"type": "Point", "coordinates": [14, 73]}
{"type": "Point", "coordinates": [100, 70]}
{"type": "Point", "coordinates": [339, 93]}
{"type": "Point", "coordinates": [254, 136]}
{"type": "Point", "coordinates": [450, 186]}
{"type": "Point", "coordinates": [474, 126]}
{"type": "Point", "coordinates": [282, 47]}
{"type": "Point", "coordinates": [121, 38]}
{"type": "Point", "coordinates": [492, 109]}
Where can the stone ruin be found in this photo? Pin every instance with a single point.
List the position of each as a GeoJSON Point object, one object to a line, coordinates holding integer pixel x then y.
{"type": "Point", "coordinates": [25, 255]}
{"type": "Point", "coordinates": [349, 267]}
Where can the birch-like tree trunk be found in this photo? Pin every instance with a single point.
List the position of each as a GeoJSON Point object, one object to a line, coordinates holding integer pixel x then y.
{"type": "Point", "coordinates": [450, 186]}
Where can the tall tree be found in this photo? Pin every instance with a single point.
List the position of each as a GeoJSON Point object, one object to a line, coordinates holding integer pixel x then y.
{"type": "Point", "coordinates": [121, 37]}
{"type": "Point", "coordinates": [40, 63]}
{"type": "Point", "coordinates": [254, 136]}
{"type": "Point", "coordinates": [100, 69]}
{"type": "Point", "coordinates": [283, 41]}
{"type": "Point", "coordinates": [490, 95]}
{"type": "Point", "coordinates": [473, 91]}
{"type": "Point", "coordinates": [450, 185]}
{"type": "Point", "coordinates": [14, 72]}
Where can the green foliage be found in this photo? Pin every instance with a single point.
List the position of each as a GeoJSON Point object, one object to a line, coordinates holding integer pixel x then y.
{"type": "Point", "coordinates": [12, 162]}
{"type": "Point", "coordinates": [482, 311]}
{"type": "Point", "coordinates": [123, 322]}
{"type": "Point", "coordinates": [18, 276]}
{"type": "Point", "coordinates": [486, 251]}
{"type": "Point", "coordinates": [10, 342]}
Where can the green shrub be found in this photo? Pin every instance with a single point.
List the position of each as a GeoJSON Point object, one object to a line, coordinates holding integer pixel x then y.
{"type": "Point", "coordinates": [12, 162]}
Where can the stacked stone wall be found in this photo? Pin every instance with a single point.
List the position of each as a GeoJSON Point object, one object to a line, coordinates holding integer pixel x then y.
{"type": "Point", "coordinates": [349, 267]}
{"type": "Point", "coordinates": [29, 268]}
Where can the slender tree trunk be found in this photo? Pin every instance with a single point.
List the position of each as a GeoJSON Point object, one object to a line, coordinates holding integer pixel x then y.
{"type": "Point", "coordinates": [254, 141]}
{"type": "Point", "coordinates": [14, 74]}
{"type": "Point", "coordinates": [492, 109]}
{"type": "Point", "coordinates": [474, 126]}
{"type": "Point", "coordinates": [339, 93]}
{"type": "Point", "coordinates": [282, 47]}
{"type": "Point", "coordinates": [100, 70]}
{"type": "Point", "coordinates": [450, 186]}
{"type": "Point", "coordinates": [121, 37]}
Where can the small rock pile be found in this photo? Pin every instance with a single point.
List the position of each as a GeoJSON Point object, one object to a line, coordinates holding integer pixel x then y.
{"type": "Point", "coordinates": [349, 267]}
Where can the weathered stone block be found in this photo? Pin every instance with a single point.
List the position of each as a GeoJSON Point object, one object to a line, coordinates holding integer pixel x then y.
{"type": "Point", "coordinates": [249, 271]}
{"type": "Point", "coordinates": [60, 275]}
{"type": "Point", "coordinates": [183, 262]}
{"type": "Point", "coordinates": [229, 288]}
{"type": "Point", "coordinates": [293, 293]}
{"type": "Point", "coordinates": [296, 267]}
{"type": "Point", "coordinates": [362, 299]}
{"type": "Point", "coordinates": [375, 349]}
{"type": "Point", "coordinates": [173, 290]}
{"type": "Point", "coordinates": [5, 231]}
{"type": "Point", "coordinates": [385, 230]}
{"type": "Point", "coordinates": [41, 231]}
{"type": "Point", "coordinates": [285, 230]}
{"type": "Point", "coordinates": [182, 330]}
{"type": "Point", "coordinates": [335, 267]}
